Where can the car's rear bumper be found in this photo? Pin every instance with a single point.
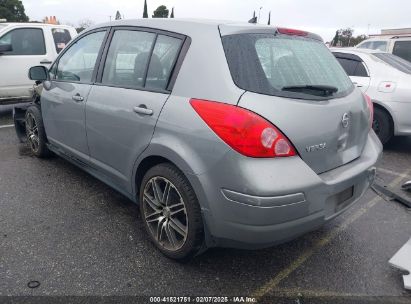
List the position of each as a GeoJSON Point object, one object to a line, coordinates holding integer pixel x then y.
{"type": "Point", "coordinates": [255, 203]}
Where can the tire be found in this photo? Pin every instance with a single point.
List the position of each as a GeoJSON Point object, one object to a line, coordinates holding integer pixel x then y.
{"type": "Point", "coordinates": [382, 125]}
{"type": "Point", "coordinates": [177, 233]}
{"type": "Point", "coordinates": [36, 135]}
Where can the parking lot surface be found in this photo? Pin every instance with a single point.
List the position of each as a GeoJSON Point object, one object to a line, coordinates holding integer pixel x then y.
{"type": "Point", "coordinates": [76, 236]}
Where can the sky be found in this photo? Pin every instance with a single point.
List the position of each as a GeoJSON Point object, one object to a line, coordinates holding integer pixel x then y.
{"type": "Point", "coordinates": [323, 17]}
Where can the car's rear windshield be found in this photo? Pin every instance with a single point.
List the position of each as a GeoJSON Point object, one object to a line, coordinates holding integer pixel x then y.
{"type": "Point", "coordinates": [269, 64]}
{"type": "Point", "coordinates": [395, 61]}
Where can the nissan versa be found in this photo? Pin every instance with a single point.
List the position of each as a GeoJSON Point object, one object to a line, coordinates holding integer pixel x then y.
{"type": "Point", "coordinates": [233, 135]}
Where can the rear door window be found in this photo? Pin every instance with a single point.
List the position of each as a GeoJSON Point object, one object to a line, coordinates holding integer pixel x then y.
{"type": "Point", "coordinates": [402, 49]}
{"type": "Point", "coordinates": [61, 38]}
{"type": "Point", "coordinates": [25, 41]}
{"type": "Point", "coordinates": [271, 64]}
{"type": "Point", "coordinates": [162, 61]}
{"type": "Point", "coordinates": [348, 65]}
{"type": "Point", "coordinates": [361, 70]}
{"type": "Point", "coordinates": [353, 67]}
{"type": "Point", "coordinates": [138, 59]}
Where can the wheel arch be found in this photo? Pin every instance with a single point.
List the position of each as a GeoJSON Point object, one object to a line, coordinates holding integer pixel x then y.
{"type": "Point", "coordinates": [154, 155]}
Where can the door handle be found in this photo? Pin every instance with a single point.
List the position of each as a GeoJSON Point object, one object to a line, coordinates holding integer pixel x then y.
{"type": "Point", "coordinates": [142, 109]}
{"type": "Point", "coordinates": [45, 61]}
{"type": "Point", "coordinates": [357, 85]}
{"type": "Point", "coordinates": [78, 98]}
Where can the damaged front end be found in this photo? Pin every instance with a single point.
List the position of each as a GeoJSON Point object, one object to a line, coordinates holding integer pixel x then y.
{"type": "Point", "coordinates": [19, 113]}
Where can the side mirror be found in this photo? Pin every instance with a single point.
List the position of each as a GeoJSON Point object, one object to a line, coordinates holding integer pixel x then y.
{"type": "Point", "coordinates": [38, 73]}
{"type": "Point", "coordinates": [5, 48]}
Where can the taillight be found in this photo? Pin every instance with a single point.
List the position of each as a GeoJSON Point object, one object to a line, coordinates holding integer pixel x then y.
{"type": "Point", "coordinates": [287, 31]}
{"type": "Point", "coordinates": [370, 107]}
{"type": "Point", "coordinates": [243, 130]}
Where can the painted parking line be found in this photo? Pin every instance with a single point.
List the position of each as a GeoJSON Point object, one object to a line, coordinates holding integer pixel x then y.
{"type": "Point", "coordinates": [321, 242]}
{"type": "Point", "coordinates": [6, 126]}
{"type": "Point", "coordinates": [393, 173]}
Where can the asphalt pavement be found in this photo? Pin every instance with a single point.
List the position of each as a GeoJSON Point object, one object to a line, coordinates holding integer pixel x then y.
{"type": "Point", "coordinates": [76, 236]}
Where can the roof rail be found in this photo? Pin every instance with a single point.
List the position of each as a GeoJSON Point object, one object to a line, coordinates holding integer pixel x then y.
{"type": "Point", "coordinates": [405, 36]}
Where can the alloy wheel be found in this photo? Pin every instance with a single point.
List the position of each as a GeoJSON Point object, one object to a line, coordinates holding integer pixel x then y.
{"type": "Point", "coordinates": [165, 213]}
{"type": "Point", "coordinates": [32, 132]}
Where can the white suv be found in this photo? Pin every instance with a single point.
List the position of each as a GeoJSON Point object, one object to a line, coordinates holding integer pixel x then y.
{"type": "Point", "coordinates": [23, 45]}
{"type": "Point", "coordinates": [394, 44]}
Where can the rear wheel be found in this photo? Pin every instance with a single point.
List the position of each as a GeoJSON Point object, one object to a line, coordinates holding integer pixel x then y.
{"type": "Point", "coordinates": [171, 213]}
{"type": "Point", "coordinates": [36, 135]}
{"type": "Point", "coordinates": [382, 125]}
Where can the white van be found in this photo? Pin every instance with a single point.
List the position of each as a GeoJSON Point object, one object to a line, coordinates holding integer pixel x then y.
{"type": "Point", "coordinates": [23, 45]}
{"type": "Point", "coordinates": [399, 45]}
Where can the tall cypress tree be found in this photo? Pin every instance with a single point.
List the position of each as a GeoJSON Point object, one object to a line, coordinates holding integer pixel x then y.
{"type": "Point", "coordinates": [145, 14]}
{"type": "Point", "coordinates": [269, 18]}
{"type": "Point", "coordinates": [336, 39]}
{"type": "Point", "coordinates": [172, 13]}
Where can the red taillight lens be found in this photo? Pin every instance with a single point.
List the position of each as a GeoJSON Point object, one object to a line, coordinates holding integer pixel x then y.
{"type": "Point", "coordinates": [243, 130]}
{"type": "Point", "coordinates": [287, 31]}
{"type": "Point", "coordinates": [370, 107]}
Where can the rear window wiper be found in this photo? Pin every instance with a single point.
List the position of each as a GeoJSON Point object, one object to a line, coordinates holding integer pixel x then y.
{"type": "Point", "coordinates": [313, 89]}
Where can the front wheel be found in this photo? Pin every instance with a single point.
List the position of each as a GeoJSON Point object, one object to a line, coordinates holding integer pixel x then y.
{"type": "Point", "coordinates": [35, 132]}
{"type": "Point", "coordinates": [171, 213]}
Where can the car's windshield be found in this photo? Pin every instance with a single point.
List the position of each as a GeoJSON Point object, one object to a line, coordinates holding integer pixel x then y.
{"type": "Point", "coordinates": [286, 66]}
{"type": "Point", "coordinates": [395, 61]}
{"type": "Point", "coordinates": [374, 45]}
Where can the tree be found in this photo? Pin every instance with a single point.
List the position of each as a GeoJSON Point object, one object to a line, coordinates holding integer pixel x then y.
{"type": "Point", "coordinates": [118, 16]}
{"type": "Point", "coordinates": [269, 18]}
{"type": "Point", "coordinates": [161, 12]}
{"type": "Point", "coordinates": [345, 38]}
{"type": "Point", "coordinates": [145, 14]}
{"type": "Point", "coordinates": [335, 39]}
{"type": "Point", "coordinates": [172, 13]}
{"type": "Point", "coordinates": [254, 19]}
{"type": "Point", "coordinates": [13, 11]}
{"type": "Point", "coordinates": [83, 24]}
{"type": "Point", "coordinates": [358, 39]}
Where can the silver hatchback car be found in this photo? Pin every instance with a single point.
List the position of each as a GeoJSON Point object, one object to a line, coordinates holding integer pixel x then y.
{"type": "Point", "coordinates": [234, 135]}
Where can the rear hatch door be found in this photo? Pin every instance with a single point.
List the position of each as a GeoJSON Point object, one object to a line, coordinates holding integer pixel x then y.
{"type": "Point", "coordinates": [326, 134]}
{"type": "Point", "coordinates": [294, 81]}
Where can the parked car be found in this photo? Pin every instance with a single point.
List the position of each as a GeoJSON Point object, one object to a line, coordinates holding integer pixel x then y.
{"type": "Point", "coordinates": [386, 78]}
{"type": "Point", "coordinates": [399, 45]}
{"type": "Point", "coordinates": [234, 135]}
{"type": "Point", "coordinates": [23, 45]}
